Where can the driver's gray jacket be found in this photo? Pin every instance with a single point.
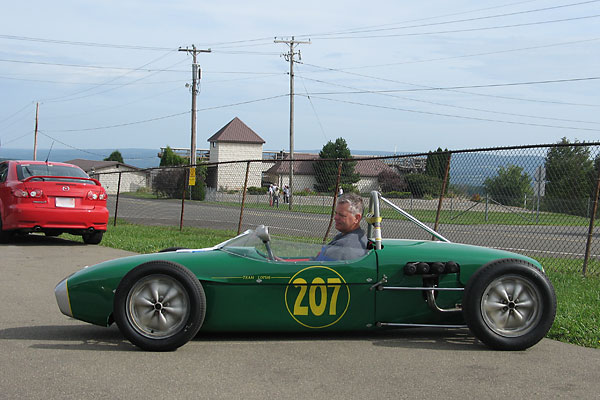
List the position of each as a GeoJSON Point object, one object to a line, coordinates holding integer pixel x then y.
{"type": "Point", "coordinates": [346, 246]}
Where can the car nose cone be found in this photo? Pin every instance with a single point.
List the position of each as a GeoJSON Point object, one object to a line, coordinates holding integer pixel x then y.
{"type": "Point", "coordinates": [62, 298]}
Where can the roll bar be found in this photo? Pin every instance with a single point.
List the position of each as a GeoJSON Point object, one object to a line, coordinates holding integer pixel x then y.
{"type": "Point", "coordinates": [374, 229]}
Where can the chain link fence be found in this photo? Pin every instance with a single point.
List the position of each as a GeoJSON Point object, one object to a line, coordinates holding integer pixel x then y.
{"type": "Point", "coordinates": [541, 201]}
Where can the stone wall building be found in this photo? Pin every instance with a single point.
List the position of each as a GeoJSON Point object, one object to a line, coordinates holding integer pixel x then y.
{"type": "Point", "coordinates": [234, 142]}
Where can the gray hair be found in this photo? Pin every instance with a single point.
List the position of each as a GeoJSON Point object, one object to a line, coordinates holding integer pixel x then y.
{"type": "Point", "coordinates": [354, 201]}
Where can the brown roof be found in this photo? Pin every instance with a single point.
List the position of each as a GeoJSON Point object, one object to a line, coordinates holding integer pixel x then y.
{"type": "Point", "coordinates": [88, 165]}
{"type": "Point", "coordinates": [303, 165]}
{"type": "Point", "coordinates": [236, 132]}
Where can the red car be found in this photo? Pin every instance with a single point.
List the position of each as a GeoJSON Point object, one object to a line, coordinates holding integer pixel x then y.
{"type": "Point", "coordinates": [50, 197]}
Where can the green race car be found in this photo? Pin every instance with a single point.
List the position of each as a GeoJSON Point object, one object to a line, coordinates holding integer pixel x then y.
{"type": "Point", "coordinates": [252, 282]}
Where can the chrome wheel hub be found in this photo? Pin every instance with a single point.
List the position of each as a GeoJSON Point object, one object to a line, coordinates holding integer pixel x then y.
{"type": "Point", "coordinates": [510, 305]}
{"type": "Point", "coordinates": [158, 306]}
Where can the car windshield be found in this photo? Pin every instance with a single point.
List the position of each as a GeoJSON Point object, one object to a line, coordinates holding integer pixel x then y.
{"type": "Point", "coordinates": [249, 244]}
{"type": "Point", "coordinates": [25, 171]}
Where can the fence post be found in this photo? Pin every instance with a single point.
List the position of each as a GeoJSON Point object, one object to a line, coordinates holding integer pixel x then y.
{"type": "Point", "coordinates": [337, 189]}
{"type": "Point", "coordinates": [243, 198]}
{"type": "Point", "coordinates": [487, 203]}
{"type": "Point", "coordinates": [185, 182]}
{"type": "Point", "coordinates": [117, 203]}
{"type": "Point", "coordinates": [441, 199]}
{"type": "Point", "coordinates": [588, 244]}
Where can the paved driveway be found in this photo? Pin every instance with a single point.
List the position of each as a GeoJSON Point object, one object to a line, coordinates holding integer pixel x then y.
{"type": "Point", "coordinates": [45, 355]}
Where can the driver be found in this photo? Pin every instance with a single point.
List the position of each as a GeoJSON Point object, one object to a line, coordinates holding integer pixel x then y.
{"type": "Point", "coordinates": [351, 242]}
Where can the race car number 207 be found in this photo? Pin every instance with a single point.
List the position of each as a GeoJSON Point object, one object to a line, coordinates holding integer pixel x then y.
{"type": "Point", "coordinates": [317, 297]}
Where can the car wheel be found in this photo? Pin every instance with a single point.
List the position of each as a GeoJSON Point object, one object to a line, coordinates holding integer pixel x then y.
{"type": "Point", "coordinates": [509, 304]}
{"type": "Point", "coordinates": [92, 238]}
{"type": "Point", "coordinates": [5, 236]}
{"type": "Point", "coordinates": [159, 306]}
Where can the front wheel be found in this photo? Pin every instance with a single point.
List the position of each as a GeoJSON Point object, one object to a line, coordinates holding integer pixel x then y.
{"type": "Point", "coordinates": [159, 306]}
{"type": "Point", "coordinates": [509, 305]}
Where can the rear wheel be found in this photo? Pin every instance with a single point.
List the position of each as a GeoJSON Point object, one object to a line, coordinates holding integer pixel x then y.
{"type": "Point", "coordinates": [5, 236]}
{"type": "Point", "coordinates": [159, 306]}
{"type": "Point", "coordinates": [93, 238]}
{"type": "Point", "coordinates": [509, 305]}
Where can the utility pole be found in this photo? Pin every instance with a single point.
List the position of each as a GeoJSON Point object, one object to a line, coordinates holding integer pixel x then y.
{"type": "Point", "coordinates": [290, 57]}
{"type": "Point", "coordinates": [195, 89]}
{"type": "Point", "coordinates": [37, 110]}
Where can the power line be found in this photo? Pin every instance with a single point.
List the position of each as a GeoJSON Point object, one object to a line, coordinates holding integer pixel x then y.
{"type": "Point", "coordinates": [120, 125]}
{"type": "Point", "coordinates": [455, 116]}
{"type": "Point", "coordinates": [423, 19]}
{"type": "Point", "coordinates": [167, 116]}
{"type": "Point", "coordinates": [16, 112]}
{"type": "Point", "coordinates": [72, 147]}
{"type": "Point", "coordinates": [451, 90]}
{"type": "Point", "coordinates": [462, 30]}
{"type": "Point", "coordinates": [462, 107]}
{"type": "Point", "coordinates": [473, 19]}
{"type": "Point", "coordinates": [89, 83]}
{"type": "Point", "coordinates": [66, 97]}
{"type": "Point", "coordinates": [487, 53]}
{"type": "Point", "coordinates": [425, 89]}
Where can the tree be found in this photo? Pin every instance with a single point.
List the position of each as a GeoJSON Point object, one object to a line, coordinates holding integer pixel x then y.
{"type": "Point", "coordinates": [169, 158]}
{"type": "Point", "coordinates": [422, 185]}
{"type": "Point", "coordinates": [325, 168]}
{"type": "Point", "coordinates": [115, 156]}
{"type": "Point", "coordinates": [170, 182]}
{"type": "Point", "coordinates": [509, 186]}
{"type": "Point", "coordinates": [391, 181]}
{"type": "Point", "coordinates": [569, 178]}
{"type": "Point", "coordinates": [436, 163]}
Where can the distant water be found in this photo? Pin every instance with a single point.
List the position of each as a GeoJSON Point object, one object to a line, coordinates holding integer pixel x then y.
{"type": "Point", "coordinates": [467, 168]}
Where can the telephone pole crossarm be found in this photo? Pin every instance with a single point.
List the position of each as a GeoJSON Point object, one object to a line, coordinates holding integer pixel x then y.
{"type": "Point", "coordinates": [195, 77]}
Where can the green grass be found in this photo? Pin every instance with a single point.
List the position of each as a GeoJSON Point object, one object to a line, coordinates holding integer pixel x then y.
{"type": "Point", "coordinates": [150, 239]}
{"type": "Point", "coordinates": [578, 312]}
{"type": "Point", "coordinates": [446, 216]}
{"type": "Point", "coordinates": [578, 309]}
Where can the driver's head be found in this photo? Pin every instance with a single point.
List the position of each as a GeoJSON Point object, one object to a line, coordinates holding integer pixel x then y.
{"type": "Point", "coordinates": [348, 212]}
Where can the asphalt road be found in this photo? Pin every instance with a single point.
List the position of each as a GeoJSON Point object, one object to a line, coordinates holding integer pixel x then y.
{"type": "Point", "coordinates": [46, 355]}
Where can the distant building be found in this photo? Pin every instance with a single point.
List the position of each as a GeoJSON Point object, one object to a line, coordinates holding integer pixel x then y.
{"type": "Point", "coordinates": [234, 142]}
{"type": "Point", "coordinates": [304, 174]}
{"type": "Point", "coordinates": [106, 173]}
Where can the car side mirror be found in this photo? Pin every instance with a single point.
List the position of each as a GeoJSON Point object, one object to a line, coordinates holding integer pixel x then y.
{"type": "Point", "coordinates": [263, 233]}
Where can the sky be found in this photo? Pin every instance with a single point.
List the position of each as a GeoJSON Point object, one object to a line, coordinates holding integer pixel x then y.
{"type": "Point", "coordinates": [396, 76]}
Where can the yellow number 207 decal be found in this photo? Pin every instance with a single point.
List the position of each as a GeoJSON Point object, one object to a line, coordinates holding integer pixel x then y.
{"type": "Point", "coordinates": [317, 284]}
{"type": "Point", "coordinates": [317, 297]}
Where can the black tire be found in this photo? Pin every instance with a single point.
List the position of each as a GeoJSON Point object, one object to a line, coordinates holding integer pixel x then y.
{"type": "Point", "coordinates": [498, 318]}
{"type": "Point", "coordinates": [93, 238]}
{"type": "Point", "coordinates": [5, 236]}
{"type": "Point", "coordinates": [183, 314]}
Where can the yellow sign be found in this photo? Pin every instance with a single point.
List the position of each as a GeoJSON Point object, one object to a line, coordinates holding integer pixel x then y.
{"type": "Point", "coordinates": [192, 181]}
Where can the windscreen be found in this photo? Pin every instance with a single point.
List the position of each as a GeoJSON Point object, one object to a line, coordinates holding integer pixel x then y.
{"type": "Point", "coordinates": [250, 245]}
{"type": "Point", "coordinates": [25, 171]}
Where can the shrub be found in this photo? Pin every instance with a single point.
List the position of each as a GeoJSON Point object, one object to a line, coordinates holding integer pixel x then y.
{"type": "Point", "coordinates": [397, 195]}
{"type": "Point", "coordinates": [257, 190]}
{"type": "Point", "coordinates": [421, 185]}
